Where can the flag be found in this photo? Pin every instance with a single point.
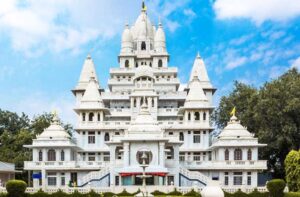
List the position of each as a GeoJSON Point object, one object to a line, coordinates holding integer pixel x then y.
{"type": "Point", "coordinates": [233, 111]}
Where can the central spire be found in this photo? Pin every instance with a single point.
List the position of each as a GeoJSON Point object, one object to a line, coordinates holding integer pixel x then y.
{"type": "Point", "coordinates": [144, 7]}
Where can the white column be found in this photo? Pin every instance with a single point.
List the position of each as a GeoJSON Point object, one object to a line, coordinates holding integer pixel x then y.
{"type": "Point", "coordinates": [45, 155]}
{"type": "Point", "coordinates": [126, 154]}
{"type": "Point", "coordinates": [162, 154]}
{"type": "Point", "coordinates": [155, 102]}
{"type": "Point", "coordinates": [101, 116]}
{"type": "Point", "coordinates": [138, 103]}
{"type": "Point", "coordinates": [44, 179]}
{"type": "Point", "coordinates": [149, 99]}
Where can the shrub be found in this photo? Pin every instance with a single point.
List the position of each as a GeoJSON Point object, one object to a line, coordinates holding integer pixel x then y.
{"type": "Point", "coordinates": [92, 193]}
{"type": "Point", "coordinates": [108, 194]}
{"type": "Point", "coordinates": [124, 193]}
{"type": "Point", "coordinates": [16, 188]}
{"type": "Point", "coordinates": [158, 193]}
{"type": "Point", "coordinates": [193, 193]}
{"type": "Point", "coordinates": [77, 194]}
{"type": "Point", "coordinates": [292, 194]}
{"type": "Point", "coordinates": [256, 193]}
{"type": "Point", "coordinates": [59, 193]}
{"type": "Point", "coordinates": [239, 193]}
{"type": "Point", "coordinates": [175, 193]}
{"type": "Point", "coordinates": [276, 187]}
{"type": "Point", "coordinates": [135, 193]}
{"type": "Point", "coordinates": [40, 193]}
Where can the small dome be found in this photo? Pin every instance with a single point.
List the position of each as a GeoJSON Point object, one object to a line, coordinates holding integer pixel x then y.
{"type": "Point", "coordinates": [234, 129]}
{"type": "Point", "coordinates": [126, 36]}
{"type": "Point", "coordinates": [143, 71]}
{"type": "Point", "coordinates": [144, 122]}
{"type": "Point", "coordinates": [212, 190]}
{"type": "Point", "coordinates": [199, 70]}
{"type": "Point", "coordinates": [54, 131]}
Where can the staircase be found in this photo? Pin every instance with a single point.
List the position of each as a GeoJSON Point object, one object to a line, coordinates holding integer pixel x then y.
{"type": "Point", "coordinates": [94, 176]}
{"type": "Point", "coordinates": [193, 176]}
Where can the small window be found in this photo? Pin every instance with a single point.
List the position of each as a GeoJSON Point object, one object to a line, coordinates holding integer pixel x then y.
{"type": "Point", "coordinates": [197, 116]}
{"type": "Point", "coordinates": [237, 178]}
{"type": "Point", "coordinates": [98, 116]}
{"type": "Point", "coordinates": [62, 155]}
{"type": "Point", "coordinates": [136, 65]}
{"type": "Point", "coordinates": [249, 154]}
{"type": "Point", "coordinates": [91, 116]}
{"type": "Point", "coordinates": [92, 157]}
{"type": "Point", "coordinates": [204, 116]}
{"type": "Point", "coordinates": [160, 63]}
{"type": "Point", "coordinates": [189, 116]}
{"type": "Point", "coordinates": [40, 155]}
{"type": "Point", "coordinates": [226, 179]}
{"type": "Point", "coordinates": [170, 153]}
{"type": "Point", "coordinates": [197, 137]}
{"type": "Point", "coordinates": [127, 64]}
{"type": "Point", "coordinates": [197, 156]}
{"type": "Point", "coordinates": [51, 155]}
{"type": "Point", "coordinates": [238, 154]}
{"type": "Point", "coordinates": [171, 133]}
{"type": "Point", "coordinates": [83, 116]}
{"type": "Point", "coordinates": [143, 46]}
{"type": "Point", "coordinates": [91, 138]}
{"type": "Point", "coordinates": [106, 137]}
{"type": "Point", "coordinates": [226, 154]}
{"type": "Point", "coordinates": [181, 136]}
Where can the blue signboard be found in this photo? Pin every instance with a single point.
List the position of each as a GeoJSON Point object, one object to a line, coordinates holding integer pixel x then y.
{"type": "Point", "coordinates": [37, 176]}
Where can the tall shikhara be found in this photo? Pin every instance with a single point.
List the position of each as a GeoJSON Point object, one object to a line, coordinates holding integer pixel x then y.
{"type": "Point", "coordinates": [144, 113]}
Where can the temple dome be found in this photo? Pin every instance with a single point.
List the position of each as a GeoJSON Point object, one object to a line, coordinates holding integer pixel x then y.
{"type": "Point", "coordinates": [143, 27]}
{"type": "Point", "coordinates": [234, 129]}
{"type": "Point", "coordinates": [54, 131]}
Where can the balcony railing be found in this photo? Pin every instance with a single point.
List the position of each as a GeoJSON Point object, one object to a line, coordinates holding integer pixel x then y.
{"type": "Point", "coordinates": [259, 164]}
{"type": "Point", "coordinates": [65, 164]}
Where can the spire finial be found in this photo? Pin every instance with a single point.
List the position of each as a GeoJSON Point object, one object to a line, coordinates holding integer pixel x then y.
{"type": "Point", "coordinates": [144, 7]}
{"type": "Point", "coordinates": [55, 119]}
{"type": "Point", "coordinates": [159, 21]}
{"type": "Point", "coordinates": [198, 55]}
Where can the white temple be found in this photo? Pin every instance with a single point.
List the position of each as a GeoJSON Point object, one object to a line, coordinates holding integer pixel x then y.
{"type": "Point", "coordinates": [144, 113]}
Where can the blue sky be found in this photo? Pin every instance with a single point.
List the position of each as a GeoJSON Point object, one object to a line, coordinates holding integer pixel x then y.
{"type": "Point", "coordinates": [43, 44]}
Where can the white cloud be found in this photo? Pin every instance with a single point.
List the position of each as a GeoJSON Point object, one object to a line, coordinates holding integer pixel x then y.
{"type": "Point", "coordinates": [236, 62]}
{"type": "Point", "coordinates": [38, 102]}
{"type": "Point", "coordinates": [37, 26]}
{"type": "Point", "coordinates": [189, 12]}
{"type": "Point", "coordinates": [258, 11]}
{"type": "Point", "coordinates": [296, 63]}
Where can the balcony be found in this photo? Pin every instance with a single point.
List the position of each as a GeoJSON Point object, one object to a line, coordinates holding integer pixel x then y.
{"type": "Point", "coordinates": [64, 165]}
{"type": "Point", "coordinates": [225, 165]}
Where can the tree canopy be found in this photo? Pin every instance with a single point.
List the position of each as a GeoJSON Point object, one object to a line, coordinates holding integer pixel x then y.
{"type": "Point", "coordinates": [271, 112]}
{"type": "Point", "coordinates": [292, 170]}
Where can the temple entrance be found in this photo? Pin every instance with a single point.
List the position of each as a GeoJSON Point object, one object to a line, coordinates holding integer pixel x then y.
{"type": "Point", "coordinates": [139, 181]}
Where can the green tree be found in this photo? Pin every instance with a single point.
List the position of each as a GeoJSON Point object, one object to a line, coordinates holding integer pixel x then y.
{"type": "Point", "coordinates": [292, 170]}
{"type": "Point", "coordinates": [272, 112]}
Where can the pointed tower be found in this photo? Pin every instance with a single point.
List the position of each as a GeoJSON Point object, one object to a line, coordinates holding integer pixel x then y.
{"type": "Point", "coordinates": [88, 71]}
{"type": "Point", "coordinates": [199, 71]}
{"type": "Point", "coordinates": [160, 40]}
{"type": "Point", "coordinates": [91, 108]}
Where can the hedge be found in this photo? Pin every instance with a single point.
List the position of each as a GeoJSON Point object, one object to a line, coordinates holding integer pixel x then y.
{"type": "Point", "coordinates": [292, 194]}
{"type": "Point", "coordinates": [16, 188]}
{"type": "Point", "coordinates": [276, 187]}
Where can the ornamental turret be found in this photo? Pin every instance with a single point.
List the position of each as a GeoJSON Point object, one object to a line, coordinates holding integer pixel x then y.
{"type": "Point", "coordinates": [160, 39]}
{"type": "Point", "coordinates": [127, 41]}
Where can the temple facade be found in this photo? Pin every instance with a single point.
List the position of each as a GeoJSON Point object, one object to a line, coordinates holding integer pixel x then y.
{"type": "Point", "coordinates": [144, 119]}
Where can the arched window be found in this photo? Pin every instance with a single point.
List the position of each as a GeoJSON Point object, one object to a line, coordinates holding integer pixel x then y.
{"type": "Point", "coordinates": [91, 116]}
{"type": "Point", "coordinates": [181, 136]}
{"type": "Point", "coordinates": [83, 116]}
{"type": "Point", "coordinates": [238, 154]}
{"type": "Point", "coordinates": [127, 64]}
{"type": "Point", "coordinates": [62, 155]}
{"type": "Point", "coordinates": [51, 155]}
{"type": "Point", "coordinates": [152, 102]}
{"type": "Point", "coordinates": [106, 137]}
{"type": "Point", "coordinates": [40, 155]}
{"type": "Point", "coordinates": [150, 64]}
{"type": "Point", "coordinates": [98, 116]}
{"type": "Point", "coordinates": [197, 116]}
{"type": "Point", "coordinates": [249, 154]}
{"type": "Point", "coordinates": [189, 116]}
{"type": "Point", "coordinates": [226, 154]}
{"type": "Point", "coordinates": [143, 46]}
{"type": "Point", "coordinates": [204, 116]}
{"type": "Point", "coordinates": [136, 65]}
{"type": "Point", "coordinates": [160, 63]}
{"type": "Point", "coordinates": [134, 102]}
